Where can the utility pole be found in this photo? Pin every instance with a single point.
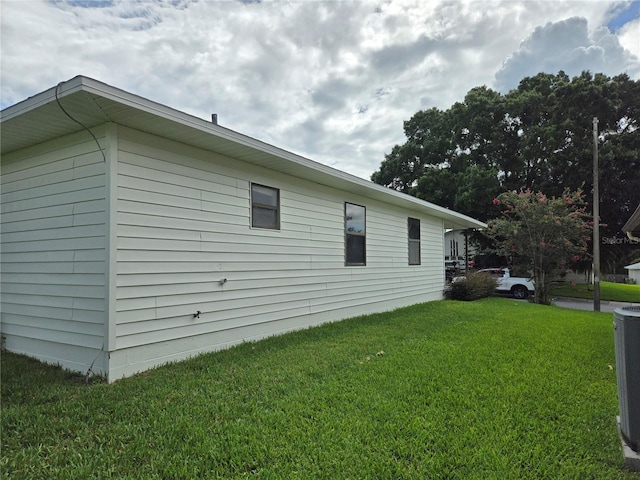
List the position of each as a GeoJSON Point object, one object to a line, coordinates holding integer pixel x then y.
{"type": "Point", "coordinates": [596, 221]}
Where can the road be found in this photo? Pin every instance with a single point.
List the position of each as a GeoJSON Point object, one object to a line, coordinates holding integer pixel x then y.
{"type": "Point", "coordinates": [581, 304]}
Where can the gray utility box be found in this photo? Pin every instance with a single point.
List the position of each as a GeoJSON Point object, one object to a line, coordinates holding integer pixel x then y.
{"type": "Point", "coordinates": [626, 323]}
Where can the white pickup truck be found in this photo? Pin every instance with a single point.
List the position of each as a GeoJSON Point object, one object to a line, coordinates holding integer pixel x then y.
{"type": "Point", "coordinates": [519, 287]}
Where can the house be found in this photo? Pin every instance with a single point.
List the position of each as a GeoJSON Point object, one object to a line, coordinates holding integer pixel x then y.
{"type": "Point", "coordinates": [134, 235]}
{"type": "Point", "coordinates": [634, 272]}
{"type": "Point", "coordinates": [458, 250]}
{"type": "Point", "coordinates": [632, 227]}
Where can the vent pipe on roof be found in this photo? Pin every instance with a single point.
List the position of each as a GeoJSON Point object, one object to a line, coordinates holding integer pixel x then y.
{"type": "Point", "coordinates": [214, 118]}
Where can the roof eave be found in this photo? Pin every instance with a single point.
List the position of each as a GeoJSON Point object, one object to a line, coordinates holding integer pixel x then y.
{"type": "Point", "coordinates": [632, 227]}
{"type": "Point", "coordinates": [202, 132]}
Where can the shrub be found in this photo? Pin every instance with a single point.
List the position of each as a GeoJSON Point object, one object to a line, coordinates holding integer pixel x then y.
{"type": "Point", "coordinates": [472, 287]}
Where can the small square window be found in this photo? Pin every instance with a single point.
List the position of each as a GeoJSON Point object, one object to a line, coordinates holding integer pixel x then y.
{"type": "Point", "coordinates": [265, 207]}
{"type": "Point", "coordinates": [413, 232]}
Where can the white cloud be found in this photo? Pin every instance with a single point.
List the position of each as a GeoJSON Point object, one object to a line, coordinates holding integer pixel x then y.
{"type": "Point", "coordinates": [629, 37]}
{"type": "Point", "coordinates": [333, 81]}
{"type": "Point", "coordinates": [569, 46]}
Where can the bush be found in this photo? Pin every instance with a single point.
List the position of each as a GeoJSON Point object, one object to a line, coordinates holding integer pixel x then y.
{"type": "Point", "coordinates": [472, 287]}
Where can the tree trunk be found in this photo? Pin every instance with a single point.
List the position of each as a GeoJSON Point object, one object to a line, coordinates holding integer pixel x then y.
{"type": "Point", "coordinates": [543, 289]}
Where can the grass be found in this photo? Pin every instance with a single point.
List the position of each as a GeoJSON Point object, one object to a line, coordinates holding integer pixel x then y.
{"type": "Point", "coordinates": [609, 291]}
{"type": "Point", "coordinates": [494, 389]}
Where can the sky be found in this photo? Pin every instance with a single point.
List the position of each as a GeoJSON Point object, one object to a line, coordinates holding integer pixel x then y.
{"type": "Point", "coordinates": [332, 81]}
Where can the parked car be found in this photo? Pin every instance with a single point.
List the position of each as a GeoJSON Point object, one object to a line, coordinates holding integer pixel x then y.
{"type": "Point", "coordinates": [519, 287]}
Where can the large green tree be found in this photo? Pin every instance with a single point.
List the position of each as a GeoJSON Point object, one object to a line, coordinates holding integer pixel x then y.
{"type": "Point", "coordinates": [538, 136]}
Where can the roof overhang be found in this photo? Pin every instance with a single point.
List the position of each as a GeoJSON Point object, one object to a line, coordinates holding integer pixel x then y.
{"type": "Point", "coordinates": [632, 227]}
{"type": "Point", "coordinates": [40, 118]}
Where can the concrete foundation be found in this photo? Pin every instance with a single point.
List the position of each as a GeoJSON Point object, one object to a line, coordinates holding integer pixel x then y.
{"type": "Point", "coordinates": [631, 458]}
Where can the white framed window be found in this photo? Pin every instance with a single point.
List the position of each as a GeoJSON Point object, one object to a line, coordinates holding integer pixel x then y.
{"type": "Point", "coordinates": [355, 234]}
{"type": "Point", "coordinates": [413, 233]}
{"type": "Point", "coordinates": [265, 207]}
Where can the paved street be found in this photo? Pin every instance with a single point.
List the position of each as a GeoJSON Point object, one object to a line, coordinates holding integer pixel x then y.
{"type": "Point", "coordinates": [581, 304]}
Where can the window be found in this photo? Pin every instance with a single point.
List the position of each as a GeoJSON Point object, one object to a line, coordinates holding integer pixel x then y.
{"type": "Point", "coordinates": [355, 234]}
{"type": "Point", "coordinates": [265, 207]}
{"type": "Point", "coordinates": [413, 227]}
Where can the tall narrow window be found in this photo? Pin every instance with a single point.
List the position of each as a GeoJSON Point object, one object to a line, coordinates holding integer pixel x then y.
{"type": "Point", "coordinates": [355, 234]}
{"type": "Point", "coordinates": [265, 207]}
{"type": "Point", "coordinates": [413, 228]}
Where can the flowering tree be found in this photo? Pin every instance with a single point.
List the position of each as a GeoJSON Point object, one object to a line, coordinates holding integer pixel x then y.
{"type": "Point", "coordinates": [540, 234]}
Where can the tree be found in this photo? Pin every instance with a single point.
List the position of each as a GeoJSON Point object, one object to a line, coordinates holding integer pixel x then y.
{"type": "Point", "coordinates": [538, 136]}
{"type": "Point", "coordinates": [468, 191]}
{"type": "Point", "coordinates": [427, 145]}
{"type": "Point", "coordinates": [544, 235]}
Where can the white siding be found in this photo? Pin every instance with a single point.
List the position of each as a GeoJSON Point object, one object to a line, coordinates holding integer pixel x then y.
{"type": "Point", "coordinates": [634, 272]}
{"type": "Point", "coordinates": [53, 252]}
{"type": "Point", "coordinates": [183, 225]}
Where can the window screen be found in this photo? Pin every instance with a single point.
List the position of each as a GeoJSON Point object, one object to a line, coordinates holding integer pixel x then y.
{"type": "Point", "coordinates": [265, 207]}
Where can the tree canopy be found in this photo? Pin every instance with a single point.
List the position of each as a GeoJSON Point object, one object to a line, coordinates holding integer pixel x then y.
{"type": "Point", "coordinates": [538, 136]}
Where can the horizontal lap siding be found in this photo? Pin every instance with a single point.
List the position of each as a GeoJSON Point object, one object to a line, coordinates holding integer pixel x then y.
{"type": "Point", "coordinates": [53, 251]}
{"type": "Point", "coordinates": [184, 226]}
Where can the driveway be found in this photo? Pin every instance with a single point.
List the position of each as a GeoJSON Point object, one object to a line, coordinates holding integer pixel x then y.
{"type": "Point", "coordinates": [582, 304]}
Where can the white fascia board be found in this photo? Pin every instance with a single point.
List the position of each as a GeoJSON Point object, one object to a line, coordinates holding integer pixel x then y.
{"type": "Point", "coordinates": [632, 227]}
{"type": "Point", "coordinates": [163, 111]}
{"type": "Point", "coordinates": [42, 98]}
{"type": "Point", "coordinates": [315, 169]}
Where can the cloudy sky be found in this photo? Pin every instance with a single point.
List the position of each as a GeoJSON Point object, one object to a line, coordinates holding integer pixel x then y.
{"type": "Point", "coordinates": [330, 80]}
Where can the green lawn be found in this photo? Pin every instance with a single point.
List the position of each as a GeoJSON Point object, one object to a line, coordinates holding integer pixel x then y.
{"type": "Point", "coordinates": [494, 389]}
{"type": "Point", "coordinates": [618, 292]}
